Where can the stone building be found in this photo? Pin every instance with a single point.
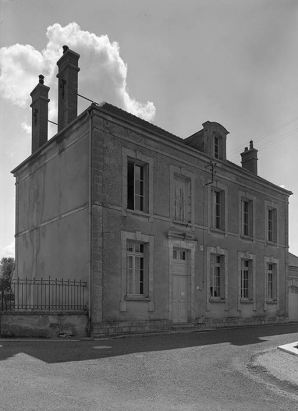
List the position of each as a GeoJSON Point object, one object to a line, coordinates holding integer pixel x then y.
{"type": "Point", "coordinates": [293, 287]}
{"type": "Point", "coordinates": [166, 231]}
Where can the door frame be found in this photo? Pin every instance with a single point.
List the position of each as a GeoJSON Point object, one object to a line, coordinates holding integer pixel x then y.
{"type": "Point", "coordinates": [182, 314]}
{"type": "Point", "coordinates": [187, 242]}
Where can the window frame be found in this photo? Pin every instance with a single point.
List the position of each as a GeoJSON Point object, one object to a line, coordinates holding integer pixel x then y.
{"type": "Point", "coordinates": [143, 183]}
{"type": "Point", "coordinates": [246, 280]}
{"type": "Point", "coordinates": [246, 217]}
{"type": "Point", "coordinates": [271, 267]}
{"type": "Point", "coordinates": [217, 277]}
{"type": "Point", "coordinates": [217, 258]}
{"type": "Point", "coordinates": [148, 243]}
{"type": "Point", "coordinates": [216, 146]}
{"type": "Point", "coordinates": [222, 190]}
{"type": "Point", "coordinates": [217, 209]}
{"type": "Point", "coordinates": [175, 173]}
{"type": "Point", "coordinates": [136, 279]}
{"type": "Point", "coordinates": [246, 200]}
{"type": "Point", "coordinates": [270, 282]}
{"type": "Point", "coordinates": [270, 206]}
{"type": "Point", "coordinates": [145, 161]}
{"type": "Point", "coordinates": [186, 206]}
{"type": "Point", "coordinates": [246, 264]}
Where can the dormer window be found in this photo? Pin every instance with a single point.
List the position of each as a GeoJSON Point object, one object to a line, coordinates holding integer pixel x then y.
{"type": "Point", "coordinates": [211, 140]}
{"type": "Point", "coordinates": [216, 147]}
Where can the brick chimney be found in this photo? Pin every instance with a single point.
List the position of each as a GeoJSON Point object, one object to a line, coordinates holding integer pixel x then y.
{"type": "Point", "coordinates": [250, 159]}
{"type": "Point", "coordinates": [39, 114]}
{"type": "Point", "coordinates": [67, 87]}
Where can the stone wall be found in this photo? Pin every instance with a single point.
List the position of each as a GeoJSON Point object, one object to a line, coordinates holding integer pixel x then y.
{"type": "Point", "coordinates": [44, 325]}
{"type": "Point", "coordinates": [113, 328]}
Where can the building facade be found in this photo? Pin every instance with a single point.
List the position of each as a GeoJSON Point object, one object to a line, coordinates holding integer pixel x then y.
{"type": "Point", "coordinates": [166, 231]}
{"type": "Point", "coordinates": [293, 287]}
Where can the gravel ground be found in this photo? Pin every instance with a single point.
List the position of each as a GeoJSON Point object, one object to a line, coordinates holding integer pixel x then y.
{"type": "Point", "coordinates": [279, 364]}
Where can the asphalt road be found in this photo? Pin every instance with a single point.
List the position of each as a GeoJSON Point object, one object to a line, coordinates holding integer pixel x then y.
{"type": "Point", "coordinates": [213, 370]}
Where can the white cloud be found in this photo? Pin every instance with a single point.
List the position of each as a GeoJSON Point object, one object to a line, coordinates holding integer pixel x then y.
{"type": "Point", "coordinates": [102, 77]}
{"type": "Point", "coordinates": [18, 65]}
{"type": "Point", "coordinates": [8, 251]}
{"type": "Point", "coordinates": [26, 127]}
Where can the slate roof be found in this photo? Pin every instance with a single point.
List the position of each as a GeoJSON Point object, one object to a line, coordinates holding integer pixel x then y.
{"type": "Point", "coordinates": [107, 107]}
{"type": "Point", "coordinates": [293, 260]}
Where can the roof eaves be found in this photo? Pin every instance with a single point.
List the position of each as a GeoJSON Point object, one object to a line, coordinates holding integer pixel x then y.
{"type": "Point", "coordinates": [288, 192]}
{"type": "Point", "coordinates": [124, 115]}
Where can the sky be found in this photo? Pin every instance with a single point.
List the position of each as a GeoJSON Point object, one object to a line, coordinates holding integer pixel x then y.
{"type": "Point", "coordinates": [172, 62]}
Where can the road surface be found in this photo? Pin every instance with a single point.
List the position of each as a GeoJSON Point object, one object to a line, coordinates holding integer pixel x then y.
{"type": "Point", "coordinates": [212, 370]}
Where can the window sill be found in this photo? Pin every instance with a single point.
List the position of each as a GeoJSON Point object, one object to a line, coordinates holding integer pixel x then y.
{"type": "Point", "coordinates": [136, 298]}
{"type": "Point", "coordinates": [246, 237]}
{"type": "Point", "coordinates": [246, 301]}
{"type": "Point", "coordinates": [271, 302]}
{"type": "Point", "coordinates": [273, 243]}
{"type": "Point", "coordinates": [137, 212]}
{"type": "Point", "coordinates": [184, 223]}
{"type": "Point", "coordinates": [218, 231]}
{"type": "Point", "coordinates": [217, 300]}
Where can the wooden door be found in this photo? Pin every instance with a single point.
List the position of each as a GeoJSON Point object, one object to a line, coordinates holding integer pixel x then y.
{"type": "Point", "coordinates": [180, 286]}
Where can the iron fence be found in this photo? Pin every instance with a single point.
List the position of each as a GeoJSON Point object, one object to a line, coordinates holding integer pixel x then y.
{"type": "Point", "coordinates": [44, 295]}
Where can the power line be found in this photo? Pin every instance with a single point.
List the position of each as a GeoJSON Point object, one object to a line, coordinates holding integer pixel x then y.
{"type": "Point", "coordinates": [272, 142]}
{"type": "Point", "coordinates": [267, 134]}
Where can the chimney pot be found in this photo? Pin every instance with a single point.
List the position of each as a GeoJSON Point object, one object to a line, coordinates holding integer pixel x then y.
{"type": "Point", "coordinates": [65, 48]}
{"type": "Point", "coordinates": [41, 79]}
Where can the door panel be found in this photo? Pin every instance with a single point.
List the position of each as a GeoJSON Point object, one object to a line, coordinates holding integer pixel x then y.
{"type": "Point", "coordinates": [180, 288]}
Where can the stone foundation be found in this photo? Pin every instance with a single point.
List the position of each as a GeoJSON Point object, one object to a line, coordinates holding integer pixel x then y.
{"type": "Point", "coordinates": [50, 325]}
{"type": "Point", "coordinates": [213, 323]}
{"type": "Point", "coordinates": [44, 325]}
{"type": "Point", "coordinates": [128, 327]}
{"type": "Point", "coordinates": [112, 328]}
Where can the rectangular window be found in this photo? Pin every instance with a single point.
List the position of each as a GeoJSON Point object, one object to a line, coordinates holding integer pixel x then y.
{"type": "Point", "coordinates": [218, 216]}
{"type": "Point", "coordinates": [271, 282]}
{"type": "Point", "coordinates": [246, 280]}
{"type": "Point", "coordinates": [247, 217]}
{"type": "Point", "coordinates": [216, 147]}
{"type": "Point", "coordinates": [217, 276]}
{"type": "Point", "coordinates": [271, 225]}
{"type": "Point", "coordinates": [179, 255]}
{"type": "Point", "coordinates": [137, 186]}
{"type": "Point", "coordinates": [137, 277]}
{"type": "Point", "coordinates": [182, 199]}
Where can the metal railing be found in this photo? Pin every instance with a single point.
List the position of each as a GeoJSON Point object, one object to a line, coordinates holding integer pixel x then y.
{"type": "Point", "coordinates": [44, 295]}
